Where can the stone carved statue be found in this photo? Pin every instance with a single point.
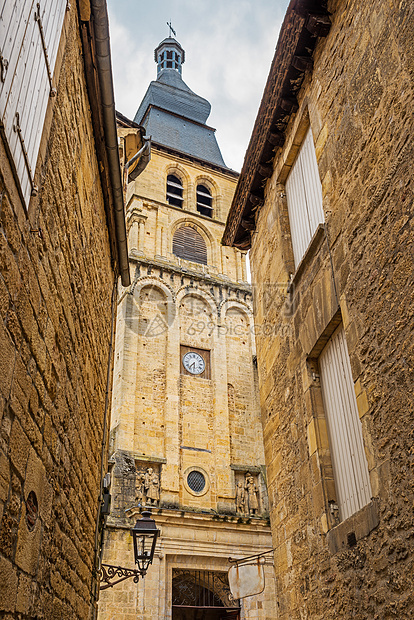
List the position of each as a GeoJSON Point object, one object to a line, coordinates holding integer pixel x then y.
{"type": "Point", "coordinates": [251, 495]}
{"type": "Point", "coordinates": [140, 489]}
{"type": "Point", "coordinates": [152, 487]}
{"type": "Point", "coordinates": [240, 498]}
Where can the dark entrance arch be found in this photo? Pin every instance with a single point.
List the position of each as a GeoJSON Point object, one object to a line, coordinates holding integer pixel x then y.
{"type": "Point", "coordinates": [202, 595]}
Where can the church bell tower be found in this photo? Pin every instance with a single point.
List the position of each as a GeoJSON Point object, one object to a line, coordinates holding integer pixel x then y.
{"type": "Point", "coordinates": [186, 436]}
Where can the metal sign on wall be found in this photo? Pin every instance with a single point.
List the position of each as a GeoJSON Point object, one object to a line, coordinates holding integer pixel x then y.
{"type": "Point", "coordinates": [247, 579]}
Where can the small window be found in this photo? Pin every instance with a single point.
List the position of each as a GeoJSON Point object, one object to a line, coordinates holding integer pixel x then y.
{"type": "Point", "coordinates": [190, 245]}
{"type": "Point", "coordinates": [196, 481]}
{"type": "Point", "coordinates": [204, 201]}
{"type": "Point", "coordinates": [169, 64]}
{"type": "Point", "coordinates": [174, 191]}
{"type": "Point", "coordinates": [170, 55]}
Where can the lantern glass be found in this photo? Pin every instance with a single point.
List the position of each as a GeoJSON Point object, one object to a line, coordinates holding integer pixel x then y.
{"type": "Point", "coordinates": [144, 534]}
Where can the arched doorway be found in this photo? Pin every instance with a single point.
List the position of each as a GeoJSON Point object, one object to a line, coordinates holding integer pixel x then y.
{"type": "Point", "coordinates": [202, 595]}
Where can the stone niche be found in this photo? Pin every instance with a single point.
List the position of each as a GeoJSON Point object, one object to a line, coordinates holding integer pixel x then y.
{"type": "Point", "coordinates": [136, 481]}
{"type": "Point", "coordinates": [147, 483]}
{"type": "Point", "coordinates": [250, 497]}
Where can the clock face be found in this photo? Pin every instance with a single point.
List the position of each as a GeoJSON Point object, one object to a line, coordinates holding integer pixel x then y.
{"type": "Point", "coordinates": [194, 363]}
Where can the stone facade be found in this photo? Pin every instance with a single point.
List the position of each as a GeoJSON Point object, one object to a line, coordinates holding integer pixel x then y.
{"type": "Point", "coordinates": [357, 271]}
{"type": "Point", "coordinates": [171, 424]}
{"type": "Point", "coordinates": [58, 273]}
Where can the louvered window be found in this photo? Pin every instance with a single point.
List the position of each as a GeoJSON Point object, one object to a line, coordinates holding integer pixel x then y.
{"type": "Point", "coordinates": [174, 191]}
{"type": "Point", "coordinates": [204, 201]}
{"type": "Point", "coordinates": [190, 245]}
{"type": "Point", "coordinates": [304, 198]}
{"type": "Point", "coordinates": [29, 39]}
{"type": "Point", "coordinates": [349, 462]}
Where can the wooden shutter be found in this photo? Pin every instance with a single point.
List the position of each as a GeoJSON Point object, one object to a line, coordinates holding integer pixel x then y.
{"type": "Point", "coordinates": [190, 245]}
{"type": "Point", "coordinates": [24, 86]}
{"type": "Point", "coordinates": [304, 198]}
{"type": "Point", "coordinates": [344, 426]}
{"type": "Point", "coordinates": [204, 201]}
{"type": "Point", "coordinates": [174, 191]}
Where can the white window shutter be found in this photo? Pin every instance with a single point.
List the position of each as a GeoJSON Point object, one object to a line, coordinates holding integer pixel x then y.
{"type": "Point", "coordinates": [349, 462]}
{"type": "Point", "coordinates": [25, 87]}
{"type": "Point", "coordinates": [304, 198]}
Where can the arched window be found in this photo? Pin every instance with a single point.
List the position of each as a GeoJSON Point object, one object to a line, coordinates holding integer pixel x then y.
{"type": "Point", "coordinates": [190, 245]}
{"type": "Point", "coordinates": [204, 201]}
{"type": "Point", "coordinates": [174, 191]}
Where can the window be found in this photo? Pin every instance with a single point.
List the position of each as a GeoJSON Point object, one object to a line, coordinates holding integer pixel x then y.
{"type": "Point", "coordinates": [349, 462]}
{"type": "Point", "coordinates": [304, 198]}
{"type": "Point", "coordinates": [174, 191]}
{"type": "Point", "coordinates": [190, 245]}
{"type": "Point", "coordinates": [25, 88]}
{"type": "Point", "coordinates": [204, 201]}
{"type": "Point", "coordinates": [196, 481]}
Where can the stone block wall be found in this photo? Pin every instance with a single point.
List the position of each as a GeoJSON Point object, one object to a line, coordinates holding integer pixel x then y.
{"type": "Point", "coordinates": [358, 270]}
{"type": "Point", "coordinates": [56, 283]}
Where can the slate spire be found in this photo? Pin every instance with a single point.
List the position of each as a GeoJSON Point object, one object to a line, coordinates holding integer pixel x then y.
{"type": "Point", "coordinates": [172, 114]}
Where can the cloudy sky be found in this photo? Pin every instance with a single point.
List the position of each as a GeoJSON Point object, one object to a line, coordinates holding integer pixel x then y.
{"type": "Point", "coordinates": [229, 46]}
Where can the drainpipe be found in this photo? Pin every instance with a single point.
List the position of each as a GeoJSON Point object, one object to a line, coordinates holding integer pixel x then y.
{"type": "Point", "coordinates": [139, 161]}
{"type": "Point", "coordinates": [104, 69]}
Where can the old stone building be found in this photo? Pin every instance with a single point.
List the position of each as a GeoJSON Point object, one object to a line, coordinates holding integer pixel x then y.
{"type": "Point", "coordinates": [325, 202]}
{"type": "Point", "coordinates": [62, 249]}
{"type": "Point", "coordinates": [186, 435]}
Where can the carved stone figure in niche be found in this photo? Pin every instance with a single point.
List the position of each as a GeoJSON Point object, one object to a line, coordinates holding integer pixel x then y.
{"type": "Point", "coordinates": [140, 489]}
{"type": "Point", "coordinates": [152, 487]}
{"type": "Point", "coordinates": [240, 498]}
{"type": "Point", "coordinates": [251, 492]}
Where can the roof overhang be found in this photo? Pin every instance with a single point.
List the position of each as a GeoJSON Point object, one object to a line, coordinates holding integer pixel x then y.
{"type": "Point", "coordinates": [305, 21]}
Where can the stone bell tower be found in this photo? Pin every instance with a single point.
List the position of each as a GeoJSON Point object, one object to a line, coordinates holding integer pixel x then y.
{"type": "Point", "coordinates": [186, 436]}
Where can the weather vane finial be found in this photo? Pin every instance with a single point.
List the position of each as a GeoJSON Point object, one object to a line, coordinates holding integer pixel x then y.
{"type": "Point", "coordinates": [171, 29]}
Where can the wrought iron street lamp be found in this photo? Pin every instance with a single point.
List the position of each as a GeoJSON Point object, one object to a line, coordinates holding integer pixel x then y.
{"type": "Point", "coordinates": [144, 538]}
{"type": "Point", "coordinates": [144, 534]}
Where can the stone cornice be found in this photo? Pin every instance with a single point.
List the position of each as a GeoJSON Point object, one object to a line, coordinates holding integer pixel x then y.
{"type": "Point", "coordinates": [194, 519]}
{"type": "Point", "coordinates": [167, 267]}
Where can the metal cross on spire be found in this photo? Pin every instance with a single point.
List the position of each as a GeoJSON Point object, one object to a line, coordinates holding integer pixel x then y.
{"type": "Point", "coordinates": [171, 29]}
